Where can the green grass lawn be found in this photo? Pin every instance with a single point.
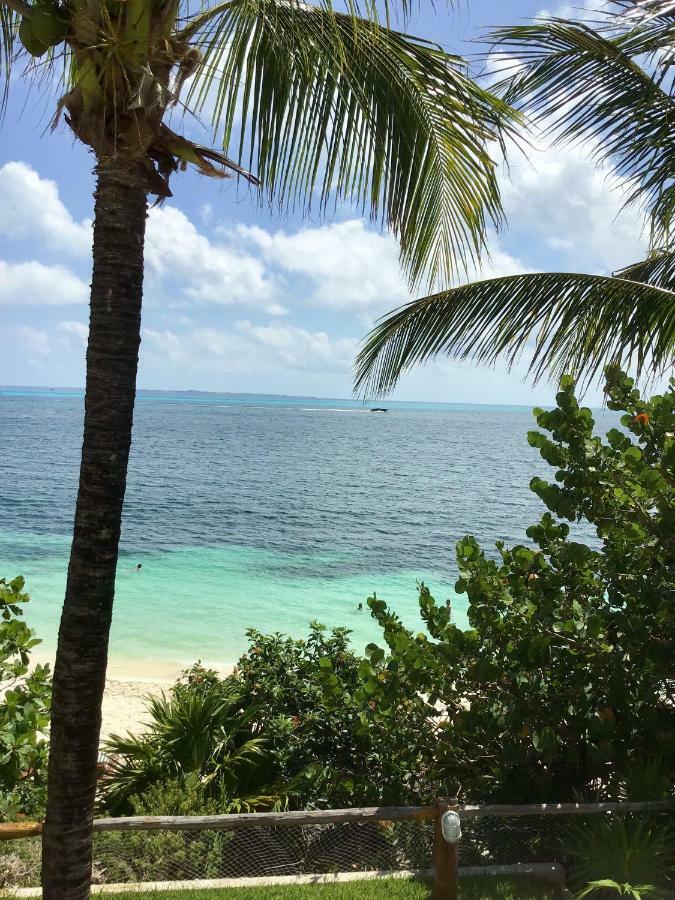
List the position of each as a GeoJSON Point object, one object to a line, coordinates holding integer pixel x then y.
{"type": "Point", "coordinates": [389, 889]}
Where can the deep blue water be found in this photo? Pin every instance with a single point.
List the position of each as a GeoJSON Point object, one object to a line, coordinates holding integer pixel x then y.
{"type": "Point", "coordinates": [265, 511]}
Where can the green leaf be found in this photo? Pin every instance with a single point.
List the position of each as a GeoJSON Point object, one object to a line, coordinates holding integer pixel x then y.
{"type": "Point", "coordinates": [576, 321]}
{"type": "Point", "coordinates": [48, 27]}
{"type": "Point", "coordinates": [584, 82]}
{"type": "Point", "coordinates": [340, 108]}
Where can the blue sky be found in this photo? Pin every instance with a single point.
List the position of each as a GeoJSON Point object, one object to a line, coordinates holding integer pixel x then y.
{"type": "Point", "coordinates": [240, 299]}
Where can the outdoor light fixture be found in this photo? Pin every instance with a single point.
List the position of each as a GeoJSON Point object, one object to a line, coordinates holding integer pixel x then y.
{"type": "Point", "coordinates": [451, 826]}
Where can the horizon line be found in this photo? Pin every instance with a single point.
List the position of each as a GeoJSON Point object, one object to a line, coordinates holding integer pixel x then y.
{"type": "Point", "coordinates": [81, 390]}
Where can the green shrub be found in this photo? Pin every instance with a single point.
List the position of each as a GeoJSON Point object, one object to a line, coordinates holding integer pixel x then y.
{"type": "Point", "coordinates": [163, 855]}
{"type": "Point", "coordinates": [565, 675]}
{"type": "Point", "coordinates": [269, 735]}
{"type": "Point", "coordinates": [24, 710]}
{"type": "Point", "coordinates": [204, 733]}
{"type": "Point", "coordinates": [619, 855]}
{"type": "Point", "coordinates": [330, 748]}
{"type": "Point", "coordinates": [630, 855]}
{"type": "Point", "coordinates": [560, 684]}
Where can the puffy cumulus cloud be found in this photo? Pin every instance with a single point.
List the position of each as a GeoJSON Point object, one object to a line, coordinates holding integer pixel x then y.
{"type": "Point", "coordinates": [559, 200]}
{"type": "Point", "coordinates": [499, 263]}
{"type": "Point", "coordinates": [31, 208]}
{"type": "Point", "coordinates": [299, 348]}
{"type": "Point", "coordinates": [347, 266]}
{"type": "Point", "coordinates": [33, 342]}
{"type": "Point", "coordinates": [35, 284]}
{"type": "Point", "coordinates": [205, 271]}
{"type": "Point", "coordinates": [200, 269]}
{"type": "Point", "coordinates": [73, 334]}
{"type": "Point", "coordinates": [248, 349]}
{"type": "Point", "coordinates": [163, 346]}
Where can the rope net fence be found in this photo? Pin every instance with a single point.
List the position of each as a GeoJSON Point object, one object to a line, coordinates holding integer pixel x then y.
{"type": "Point", "coordinates": [205, 852]}
{"type": "Point", "coordinates": [179, 855]}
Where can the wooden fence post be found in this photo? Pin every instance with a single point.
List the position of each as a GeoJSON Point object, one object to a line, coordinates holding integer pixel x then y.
{"type": "Point", "coordinates": [445, 855]}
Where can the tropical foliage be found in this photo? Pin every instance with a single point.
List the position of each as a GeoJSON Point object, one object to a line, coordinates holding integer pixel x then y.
{"type": "Point", "coordinates": [609, 88]}
{"type": "Point", "coordinates": [559, 687]}
{"type": "Point", "coordinates": [24, 709]}
{"type": "Point", "coordinates": [563, 679]}
{"type": "Point", "coordinates": [619, 856]}
{"type": "Point", "coordinates": [631, 855]}
{"type": "Point", "coordinates": [201, 735]}
{"type": "Point", "coordinates": [333, 752]}
{"type": "Point", "coordinates": [269, 736]}
{"type": "Point", "coordinates": [310, 103]}
{"type": "Point", "coordinates": [164, 855]}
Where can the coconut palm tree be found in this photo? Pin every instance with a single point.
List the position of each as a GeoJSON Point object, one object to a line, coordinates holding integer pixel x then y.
{"type": "Point", "coordinates": [311, 106]}
{"type": "Point", "coordinates": [608, 85]}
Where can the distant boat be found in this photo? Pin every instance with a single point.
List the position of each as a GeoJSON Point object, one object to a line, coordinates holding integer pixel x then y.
{"type": "Point", "coordinates": [378, 409]}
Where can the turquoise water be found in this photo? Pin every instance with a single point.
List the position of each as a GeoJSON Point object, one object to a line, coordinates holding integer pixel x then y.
{"type": "Point", "coordinates": [264, 512]}
{"type": "Point", "coordinates": [196, 602]}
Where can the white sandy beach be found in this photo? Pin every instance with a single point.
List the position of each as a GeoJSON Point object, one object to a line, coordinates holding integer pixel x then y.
{"type": "Point", "coordinates": [125, 703]}
{"type": "Point", "coordinates": [128, 685]}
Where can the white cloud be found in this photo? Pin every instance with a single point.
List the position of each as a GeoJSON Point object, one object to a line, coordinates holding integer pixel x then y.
{"type": "Point", "coordinates": [203, 271]}
{"type": "Point", "coordinates": [299, 348]}
{"type": "Point", "coordinates": [31, 208]}
{"type": "Point", "coordinates": [163, 345]}
{"type": "Point", "coordinates": [34, 284]}
{"type": "Point", "coordinates": [206, 271]}
{"type": "Point", "coordinates": [560, 197]}
{"type": "Point", "coordinates": [248, 349]}
{"type": "Point", "coordinates": [584, 10]}
{"type": "Point", "coordinates": [500, 263]}
{"type": "Point", "coordinates": [74, 333]}
{"type": "Point", "coordinates": [349, 267]}
{"type": "Point", "coordinates": [34, 342]}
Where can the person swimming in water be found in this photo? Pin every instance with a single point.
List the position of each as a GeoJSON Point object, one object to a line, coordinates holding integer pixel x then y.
{"type": "Point", "coordinates": [136, 568]}
{"type": "Point", "coordinates": [360, 606]}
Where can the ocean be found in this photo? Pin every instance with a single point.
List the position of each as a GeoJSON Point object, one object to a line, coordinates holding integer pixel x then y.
{"type": "Point", "coordinates": [265, 512]}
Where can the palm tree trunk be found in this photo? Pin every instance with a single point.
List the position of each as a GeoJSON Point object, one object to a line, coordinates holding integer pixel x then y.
{"type": "Point", "coordinates": [82, 654]}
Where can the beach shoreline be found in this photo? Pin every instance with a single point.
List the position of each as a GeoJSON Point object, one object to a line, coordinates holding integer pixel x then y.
{"type": "Point", "coordinates": [130, 683]}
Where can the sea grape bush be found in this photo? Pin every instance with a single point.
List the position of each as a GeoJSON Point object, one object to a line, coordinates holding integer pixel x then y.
{"type": "Point", "coordinates": [25, 698]}
{"type": "Point", "coordinates": [269, 736]}
{"type": "Point", "coordinates": [565, 675]}
{"type": "Point", "coordinates": [330, 750]}
{"type": "Point", "coordinates": [561, 684]}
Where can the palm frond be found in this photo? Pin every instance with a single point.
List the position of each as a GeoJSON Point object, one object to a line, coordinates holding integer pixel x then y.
{"type": "Point", "coordinates": [334, 107]}
{"type": "Point", "coordinates": [658, 269]}
{"type": "Point", "coordinates": [581, 85]}
{"type": "Point", "coordinates": [648, 39]}
{"type": "Point", "coordinates": [375, 12]}
{"type": "Point", "coordinates": [570, 322]}
{"type": "Point", "coordinates": [240, 755]}
{"type": "Point", "coordinates": [9, 23]}
{"type": "Point", "coordinates": [642, 11]}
